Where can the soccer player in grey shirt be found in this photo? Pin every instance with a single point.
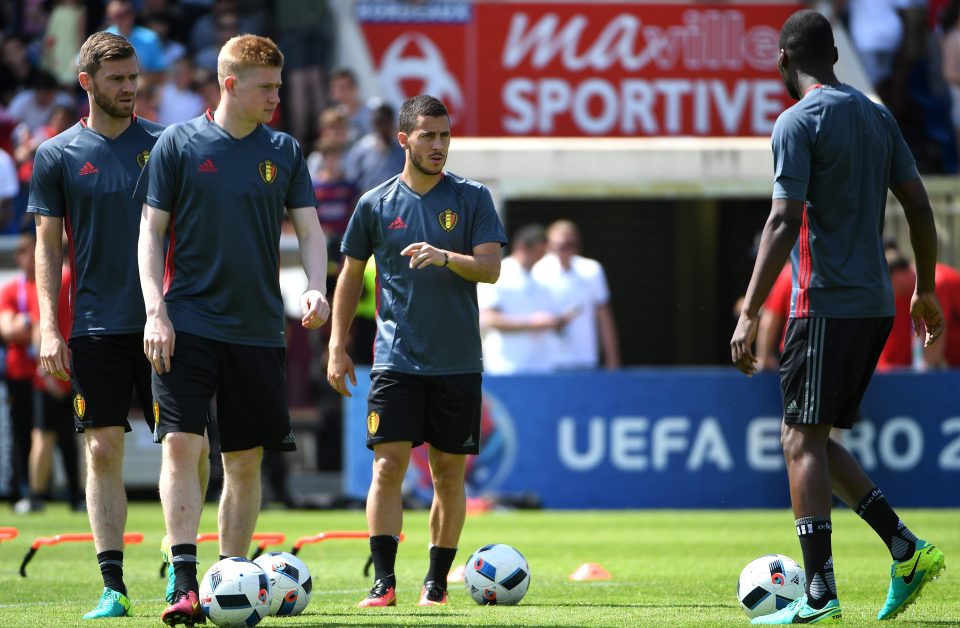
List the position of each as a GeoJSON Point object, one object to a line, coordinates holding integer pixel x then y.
{"type": "Point", "coordinates": [83, 181]}
{"type": "Point", "coordinates": [218, 185]}
{"type": "Point", "coordinates": [434, 236]}
{"type": "Point", "coordinates": [835, 155]}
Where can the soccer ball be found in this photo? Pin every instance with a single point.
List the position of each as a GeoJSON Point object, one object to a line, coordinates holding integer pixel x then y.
{"type": "Point", "coordinates": [235, 592]}
{"type": "Point", "coordinates": [497, 574]}
{"type": "Point", "coordinates": [290, 582]}
{"type": "Point", "coordinates": [769, 583]}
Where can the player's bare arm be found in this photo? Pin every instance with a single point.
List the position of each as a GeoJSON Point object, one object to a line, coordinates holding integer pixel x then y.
{"type": "Point", "coordinates": [313, 256]}
{"type": "Point", "coordinates": [54, 355]}
{"type": "Point", "coordinates": [482, 266]}
{"type": "Point", "coordinates": [924, 308]}
{"type": "Point", "coordinates": [345, 300]}
{"type": "Point", "coordinates": [778, 237]}
{"type": "Point", "coordinates": [158, 335]}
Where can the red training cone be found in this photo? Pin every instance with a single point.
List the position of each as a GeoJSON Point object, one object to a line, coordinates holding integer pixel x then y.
{"type": "Point", "coordinates": [591, 571]}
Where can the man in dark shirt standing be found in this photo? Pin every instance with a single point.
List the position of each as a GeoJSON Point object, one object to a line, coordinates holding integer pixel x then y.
{"type": "Point", "coordinates": [83, 180]}
{"type": "Point", "coordinates": [835, 155]}
{"type": "Point", "coordinates": [434, 236]}
{"type": "Point", "coordinates": [218, 186]}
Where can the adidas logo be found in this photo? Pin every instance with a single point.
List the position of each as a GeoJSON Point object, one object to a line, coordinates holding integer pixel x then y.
{"type": "Point", "coordinates": [398, 224]}
{"type": "Point", "coordinates": [793, 408]}
{"type": "Point", "coordinates": [469, 442]}
{"type": "Point", "coordinates": [207, 166]}
{"type": "Point", "coordinates": [88, 168]}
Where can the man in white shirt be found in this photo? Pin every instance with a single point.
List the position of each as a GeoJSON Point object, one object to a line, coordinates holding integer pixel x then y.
{"type": "Point", "coordinates": [518, 315]}
{"type": "Point", "coordinates": [578, 286]}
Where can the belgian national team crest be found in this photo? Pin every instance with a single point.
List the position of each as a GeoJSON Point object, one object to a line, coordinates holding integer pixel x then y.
{"type": "Point", "coordinates": [79, 405]}
{"type": "Point", "coordinates": [373, 423]}
{"type": "Point", "coordinates": [448, 219]}
{"type": "Point", "coordinates": [142, 158]}
{"type": "Point", "coordinates": [268, 171]}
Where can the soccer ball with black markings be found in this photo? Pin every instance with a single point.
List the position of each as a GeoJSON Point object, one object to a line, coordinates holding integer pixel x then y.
{"type": "Point", "coordinates": [769, 583]}
{"type": "Point", "coordinates": [290, 582]}
{"type": "Point", "coordinates": [497, 574]}
{"type": "Point", "coordinates": [235, 592]}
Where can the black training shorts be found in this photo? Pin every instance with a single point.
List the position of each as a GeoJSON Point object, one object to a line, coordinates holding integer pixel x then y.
{"type": "Point", "coordinates": [826, 366]}
{"type": "Point", "coordinates": [443, 410]}
{"type": "Point", "coordinates": [104, 370]}
{"type": "Point", "coordinates": [250, 383]}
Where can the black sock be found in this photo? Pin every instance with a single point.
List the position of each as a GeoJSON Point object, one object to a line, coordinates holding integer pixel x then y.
{"type": "Point", "coordinates": [441, 558]}
{"type": "Point", "coordinates": [877, 512]}
{"type": "Point", "coordinates": [111, 567]}
{"type": "Point", "coordinates": [814, 533]}
{"type": "Point", "coordinates": [383, 548]}
{"type": "Point", "coordinates": [184, 559]}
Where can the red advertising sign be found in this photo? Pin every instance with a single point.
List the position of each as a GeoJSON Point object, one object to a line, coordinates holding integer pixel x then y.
{"type": "Point", "coordinates": [587, 69]}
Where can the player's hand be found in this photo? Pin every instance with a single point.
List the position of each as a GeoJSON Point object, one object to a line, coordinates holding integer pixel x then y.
{"type": "Point", "coordinates": [927, 317]}
{"type": "Point", "coordinates": [158, 342]}
{"type": "Point", "coordinates": [54, 355]}
{"type": "Point", "coordinates": [339, 367]}
{"type": "Point", "coordinates": [315, 308]}
{"type": "Point", "coordinates": [422, 255]}
{"type": "Point", "coordinates": [741, 344]}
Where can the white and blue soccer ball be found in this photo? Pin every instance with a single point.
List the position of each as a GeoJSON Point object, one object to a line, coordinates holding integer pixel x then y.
{"type": "Point", "coordinates": [497, 574]}
{"type": "Point", "coordinates": [290, 582]}
{"type": "Point", "coordinates": [235, 593]}
{"type": "Point", "coordinates": [769, 583]}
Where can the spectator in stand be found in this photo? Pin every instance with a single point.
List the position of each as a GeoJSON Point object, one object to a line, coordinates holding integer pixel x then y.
{"type": "Point", "coordinates": [345, 92]}
{"type": "Point", "coordinates": [178, 101]}
{"type": "Point", "coordinates": [305, 36]}
{"type": "Point", "coordinates": [518, 314]}
{"type": "Point", "coordinates": [772, 329]}
{"type": "Point", "coordinates": [877, 28]}
{"type": "Point", "coordinates": [66, 31]}
{"type": "Point", "coordinates": [209, 89]}
{"type": "Point", "coordinates": [122, 19]}
{"type": "Point", "coordinates": [898, 350]}
{"type": "Point", "coordinates": [16, 71]}
{"type": "Point", "coordinates": [39, 407]}
{"type": "Point", "coordinates": [173, 50]}
{"type": "Point", "coordinates": [333, 129]}
{"type": "Point", "coordinates": [226, 26]}
{"type": "Point", "coordinates": [378, 155]}
{"type": "Point", "coordinates": [9, 188]}
{"type": "Point", "coordinates": [34, 106]}
{"type": "Point", "coordinates": [950, 23]}
{"type": "Point", "coordinates": [579, 287]}
{"type": "Point", "coordinates": [945, 352]}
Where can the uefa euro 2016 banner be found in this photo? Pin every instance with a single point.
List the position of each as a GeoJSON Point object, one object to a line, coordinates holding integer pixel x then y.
{"type": "Point", "coordinates": [679, 439]}
{"type": "Point", "coordinates": [512, 68]}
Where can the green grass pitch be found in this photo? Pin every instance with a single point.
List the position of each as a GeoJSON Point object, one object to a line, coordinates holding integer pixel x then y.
{"type": "Point", "coordinates": [670, 568]}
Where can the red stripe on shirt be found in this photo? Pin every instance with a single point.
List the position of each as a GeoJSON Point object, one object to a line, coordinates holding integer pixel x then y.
{"type": "Point", "coordinates": [168, 268]}
{"type": "Point", "coordinates": [73, 266]}
{"type": "Point", "coordinates": [801, 308]}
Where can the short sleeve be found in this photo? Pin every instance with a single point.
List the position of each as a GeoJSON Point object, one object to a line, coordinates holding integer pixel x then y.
{"type": "Point", "coordinates": [486, 224]}
{"type": "Point", "coordinates": [356, 240]}
{"type": "Point", "coordinates": [601, 291]}
{"type": "Point", "coordinates": [300, 193]}
{"type": "Point", "coordinates": [9, 182]}
{"type": "Point", "coordinates": [46, 186]}
{"type": "Point", "coordinates": [792, 151]}
{"type": "Point", "coordinates": [157, 185]}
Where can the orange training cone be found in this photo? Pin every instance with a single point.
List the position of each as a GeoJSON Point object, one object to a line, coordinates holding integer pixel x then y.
{"type": "Point", "coordinates": [591, 571]}
{"type": "Point", "coordinates": [456, 574]}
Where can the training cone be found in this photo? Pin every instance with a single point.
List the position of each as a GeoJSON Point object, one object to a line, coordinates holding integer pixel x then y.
{"type": "Point", "coordinates": [591, 571]}
{"type": "Point", "coordinates": [456, 574]}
